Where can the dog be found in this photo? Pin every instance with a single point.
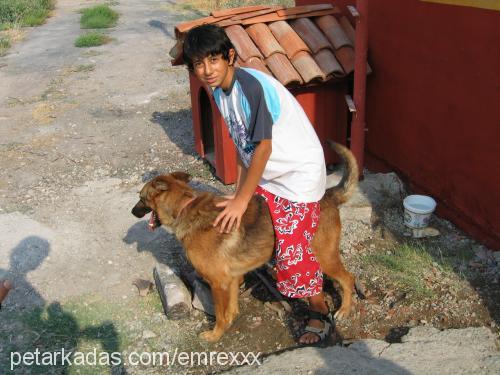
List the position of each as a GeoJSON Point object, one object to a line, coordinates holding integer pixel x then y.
{"type": "Point", "coordinates": [222, 259]}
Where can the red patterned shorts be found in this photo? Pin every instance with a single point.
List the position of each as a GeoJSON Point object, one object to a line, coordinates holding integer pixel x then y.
{"type": "Point", "coordinates": [298, 272]}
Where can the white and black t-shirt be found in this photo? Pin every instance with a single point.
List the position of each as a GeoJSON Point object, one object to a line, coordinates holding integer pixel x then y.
{"type": "Point", "coordinates": [258, 107]}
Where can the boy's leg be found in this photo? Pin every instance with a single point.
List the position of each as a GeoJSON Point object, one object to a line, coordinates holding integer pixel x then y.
{"type": "Point", "coordinates": [299, 274]}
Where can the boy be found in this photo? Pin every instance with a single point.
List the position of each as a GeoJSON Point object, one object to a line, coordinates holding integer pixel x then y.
{"type": "Point", "coordinates": [280, 158]}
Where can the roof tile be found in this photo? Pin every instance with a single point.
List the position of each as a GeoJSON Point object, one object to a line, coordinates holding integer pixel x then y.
{"type": "Point", "coordinates": [333, 31]}
{"type": "Point", "coordinates": [264, 39]}
{"type": "Point", "coordinates": [283, 70]}
{"type": "Point", "coordinates": [307, 67]}
{"type": "Point", "coordinates": [288, 38]}
{"type": "Point", "coordinates": [242, 42]}
{"type": "Point", "coordinates": [297, 45]}
{"type": "Point", "coordinates": [348, 29]}
{"type": "Point", "coordinates": [310, 33]}
{"type": "Point", "coordinates": [345, 56]}
{"type": "Point", "coordinates": [255, 63]}
{"type": "Point", "coordinates": [328, 63]}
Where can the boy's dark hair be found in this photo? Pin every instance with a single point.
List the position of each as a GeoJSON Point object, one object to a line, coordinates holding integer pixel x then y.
{"type": "Point", "coordinates": [203, 41]}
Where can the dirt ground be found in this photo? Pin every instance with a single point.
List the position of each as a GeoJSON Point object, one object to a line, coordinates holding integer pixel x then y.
{"type": "Point", "coordinates": [82, 129]}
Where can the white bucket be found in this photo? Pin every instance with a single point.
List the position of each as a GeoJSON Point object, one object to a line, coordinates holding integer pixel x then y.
{"type": "Point", "coordinates": [418, 210]}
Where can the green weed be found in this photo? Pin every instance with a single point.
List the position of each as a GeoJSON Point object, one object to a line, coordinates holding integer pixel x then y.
{"type": "Point", "coordinates": [24, 12]}
{"type": "Point", "coordinates": [91, 39]}
{"type": "Point", "coordinates": [405, 266]}
{"type": "Point", "coordinates": [4, 45]}
{"type": "Point", "coordinates": [98, 17]}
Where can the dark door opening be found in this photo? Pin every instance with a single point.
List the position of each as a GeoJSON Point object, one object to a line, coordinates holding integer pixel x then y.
{"type": "Point", "coordinates": [207, 129]}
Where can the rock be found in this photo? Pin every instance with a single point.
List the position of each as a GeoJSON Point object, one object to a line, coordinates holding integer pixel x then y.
{"type": "Point", "coordinates": [174, 295]}
{"type": "Point", "coordinates": [425, 232]}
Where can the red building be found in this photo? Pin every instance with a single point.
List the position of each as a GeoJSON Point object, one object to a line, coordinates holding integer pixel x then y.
{"type": "Point", "coordinates": [433, 104]}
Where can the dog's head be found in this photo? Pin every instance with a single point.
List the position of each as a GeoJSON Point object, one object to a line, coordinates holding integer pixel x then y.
{"type": "Point", "coordinates": [164, 196]}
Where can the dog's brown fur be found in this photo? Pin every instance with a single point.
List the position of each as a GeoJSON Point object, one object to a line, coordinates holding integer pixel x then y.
{"type": "Point", "coordinates": [223, 259]}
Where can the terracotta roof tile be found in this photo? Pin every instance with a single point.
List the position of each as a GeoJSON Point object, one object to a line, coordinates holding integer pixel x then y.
{"type": "Point", "coordinates": [255, 63]}
{"type": "Point", "coordinates": [328, 63]}
{"type": "Point", "coordinates": [307, 67]}
{"type": "Point", "coordinates": [297, 45]}
{"type": "Point", "coordinates": [310, 33]}
{"type": "Point", "coordinates": [333, 31]}
{"type": "Point", "coordinates": [345, 56]}
{"type": "Point", "coordinates": [288, 38]}
{"type": "Point", "coordinates": [242, 42]}
{"type": "Point", "coordinates": [264, 39]}
{"type": "Point", "coordinates": [283, 69]}
{"type": "Point", "coordinates": [348, 29]}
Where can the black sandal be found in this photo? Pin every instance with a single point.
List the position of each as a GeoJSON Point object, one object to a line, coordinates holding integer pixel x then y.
{"type": "Point", "coordinates": [322, 333]}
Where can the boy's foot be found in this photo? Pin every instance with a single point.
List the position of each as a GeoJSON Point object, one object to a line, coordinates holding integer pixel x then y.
{"type": "Point", "coordinates": [318, 328]}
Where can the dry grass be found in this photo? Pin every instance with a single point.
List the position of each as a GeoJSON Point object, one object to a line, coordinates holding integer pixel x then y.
{"type": "Point", "coordinates": [200, 8]}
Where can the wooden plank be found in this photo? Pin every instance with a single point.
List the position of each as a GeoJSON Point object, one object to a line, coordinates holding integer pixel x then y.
{"type": "Point", "coordinates": [276, 17]}
{"type": "Point", "coordinates": [255, 14]}
{"type": "Point", "coordinates": [186, 26]}
{"type": "Point", "coordinates": [304, 9]}
{"type": "Point", "coordinates": [233, 11]}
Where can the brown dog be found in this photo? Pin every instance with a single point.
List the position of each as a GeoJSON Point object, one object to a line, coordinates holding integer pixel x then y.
{"type": "Point", "coordinates": [222, 259]}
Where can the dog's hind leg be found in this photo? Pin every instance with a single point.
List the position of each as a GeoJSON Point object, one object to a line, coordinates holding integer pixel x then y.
{"type": "Point", "coordinates": [335, 269]}
{"type": "Point", "coordinates": [225, 297]}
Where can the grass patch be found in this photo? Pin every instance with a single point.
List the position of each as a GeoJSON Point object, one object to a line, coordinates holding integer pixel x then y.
{"type": "Point", "coordinates": [407, 267]}
{"type": "Point", "coordinates": [98, 17]}
{"type": "Point", "coordinates": [92, 39]}
{"type": "Point", "coordinates": [79, 325]}
{"type": "Point", "coordinates": [4, 45]}
{"type": "Point", "coordinates": [24, 12]}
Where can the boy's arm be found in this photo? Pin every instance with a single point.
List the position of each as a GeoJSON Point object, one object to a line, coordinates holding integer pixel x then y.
{"type": "Point", "coordinates": [242, 172]}
{"type": "Point", "coordinates": [248, 180]}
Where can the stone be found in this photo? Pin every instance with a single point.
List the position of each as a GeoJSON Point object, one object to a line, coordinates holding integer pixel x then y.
{"type": "Point", "coordinates": [175, 297]}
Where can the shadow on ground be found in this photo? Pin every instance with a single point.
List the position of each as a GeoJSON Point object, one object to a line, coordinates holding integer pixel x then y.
{"type": "Point", "coordinates": [49, 334]}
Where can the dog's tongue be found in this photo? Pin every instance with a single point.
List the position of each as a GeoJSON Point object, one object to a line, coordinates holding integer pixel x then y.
{"type": "Point", "coordinates": [152, 222]}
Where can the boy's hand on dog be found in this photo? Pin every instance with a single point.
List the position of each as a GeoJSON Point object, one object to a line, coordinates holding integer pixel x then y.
{"type": "Point", "coordinates": [230, 218]}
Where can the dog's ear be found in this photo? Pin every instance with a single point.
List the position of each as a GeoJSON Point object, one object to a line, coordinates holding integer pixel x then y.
{"type": "Point", "coordinates": [183, 176]}
{"type": "Point", "coordinates": [160, 185]}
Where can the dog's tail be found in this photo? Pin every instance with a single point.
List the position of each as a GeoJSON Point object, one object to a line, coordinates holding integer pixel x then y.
{"type": "Point", "coordinates": [345, 188]}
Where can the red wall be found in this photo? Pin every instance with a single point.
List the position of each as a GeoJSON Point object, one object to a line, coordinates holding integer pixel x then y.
{"type": "Point", "coordinates": [433, 105]}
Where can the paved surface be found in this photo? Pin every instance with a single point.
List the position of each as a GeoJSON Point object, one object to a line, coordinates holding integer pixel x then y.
{"type": "Point", "coordinates": [424, 350]}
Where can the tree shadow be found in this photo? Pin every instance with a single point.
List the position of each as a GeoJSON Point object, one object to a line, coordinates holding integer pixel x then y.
{"type": "Point", "coordinates": [178, 128]}
{"type": "Point", "coordinates": [28, 326]}
{"type": "Point", "coordinates": [162, 26]}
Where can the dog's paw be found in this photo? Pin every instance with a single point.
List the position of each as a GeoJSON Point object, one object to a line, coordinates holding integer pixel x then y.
{"type": "Point", "coordinates": [343, 312]}
{"type": "Point", "coordinates": [209, 336]}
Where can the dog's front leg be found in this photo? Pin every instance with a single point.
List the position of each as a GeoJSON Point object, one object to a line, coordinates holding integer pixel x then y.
{"type": "Point", "coordinates": [226, 309]}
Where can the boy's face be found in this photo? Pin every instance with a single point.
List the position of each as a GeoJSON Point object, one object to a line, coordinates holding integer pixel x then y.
{"type": "Point", "coordinates": [214, 70]}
